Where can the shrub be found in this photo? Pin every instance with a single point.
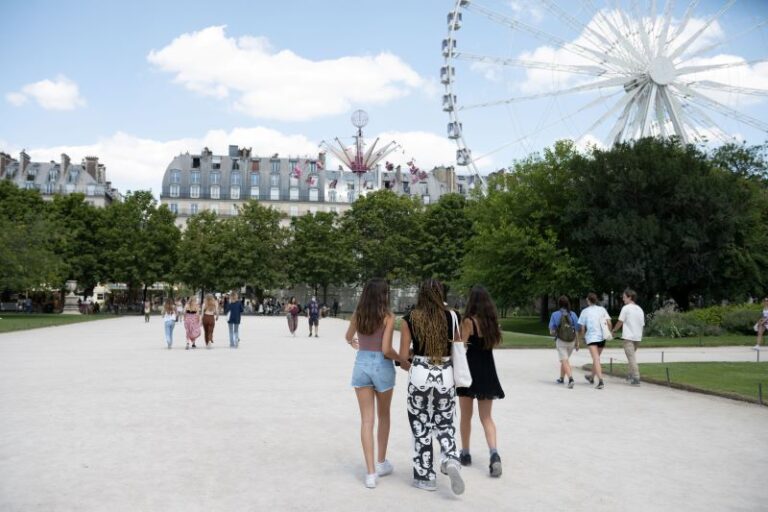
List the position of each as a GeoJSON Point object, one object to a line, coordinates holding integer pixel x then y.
{"type": "Point", "coordinates": [711, 316]}
{"type": "Point", "coordinates": [671, 324]}
{"type": "Point", "coordinates": [740, 320]}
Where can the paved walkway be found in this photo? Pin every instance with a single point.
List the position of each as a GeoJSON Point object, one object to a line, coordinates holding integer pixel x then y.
{"type": "Point", "coordinates": [98, 416]}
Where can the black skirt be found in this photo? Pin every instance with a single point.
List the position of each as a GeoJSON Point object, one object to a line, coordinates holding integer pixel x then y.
{"type": "Point", "coordinates": [485, 381]}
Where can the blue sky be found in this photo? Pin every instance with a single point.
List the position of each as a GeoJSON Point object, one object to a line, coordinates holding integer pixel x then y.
{"type": "Point", "coordinates": [138, 83]}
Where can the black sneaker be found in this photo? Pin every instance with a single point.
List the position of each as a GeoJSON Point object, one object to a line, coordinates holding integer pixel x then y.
{"type": "Point", "coordinates": [560, 380]}
{"type": "Point", "coordinates": [495, 466]}
{"type": "Point", "coordinates": [570, 383]}
{"type": "Point", "coordinates": [465, 459]}
{"type": "Point", "coordinates": [600, 385]}
{"type": "Point", "coordinates": [590, 379]}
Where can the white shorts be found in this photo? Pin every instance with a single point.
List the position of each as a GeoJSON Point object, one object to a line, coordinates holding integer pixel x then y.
{"type": "Point", "coordinates": [564, 348]}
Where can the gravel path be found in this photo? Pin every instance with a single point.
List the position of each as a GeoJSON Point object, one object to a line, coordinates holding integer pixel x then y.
{"type": "Point", "coordinates": [99, 416]}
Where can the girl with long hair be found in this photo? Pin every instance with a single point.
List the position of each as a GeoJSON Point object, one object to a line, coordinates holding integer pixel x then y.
{"type": "Point", "coordinates": [373, 377]}
{"type": "Point", "coordinates": [192, 321]}
{"type": "Point", "coordinates": [428, 331]}
{"type": "Point", "coordinates": [169, 320]}
{"type": "Point", "coordinates": [292, 314]}
{"type": "Point", "coordinates": [210, 316]}
{"type": "Point", "coordinates": [480, 329]}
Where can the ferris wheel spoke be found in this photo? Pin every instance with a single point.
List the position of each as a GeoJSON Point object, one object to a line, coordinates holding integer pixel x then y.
{"type": "Point", "coordinates": [641, 123]}
{"type": "Point", "coordinates": [661, 40]}
{"type": "Point", "coordinates": [660, 119]}
{"type": "Point", "coordinates": [717, 44]}
{"type": "Point", "coordinates": [596, 38]}
{"type": "Point", "coordinates": [600, 84]}
{"type": "Point", "coordinates": [525, 63]}
{"type": "Point", "coordinates": [724, 110]}
{"type": "Point", "coordinates": [680, 49]}
{"type": "Point", "coordinates": [581, 51]}
{"type": "Point", "coordinates": [705, 121]}
{"type": "Point", "coordinates": [621, 124]}
{"type": "Point", "coordinates": [675, 113]}
{"type": "Point", "coordinates": [622, 103]}
{"type": "Point", "coordinates": [719, 86]}
{"type": "Point", "coordinates": [684, 23]}
{"type": "Point", "coordinates": [623, 42]}
{"type": "Point", "coordinates": [686, 70]}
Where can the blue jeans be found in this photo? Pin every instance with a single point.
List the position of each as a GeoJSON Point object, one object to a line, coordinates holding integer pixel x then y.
{"type": "Point", "coordinates": [234, 335]}
{"type": "Point", "coordinates": [169, 325]}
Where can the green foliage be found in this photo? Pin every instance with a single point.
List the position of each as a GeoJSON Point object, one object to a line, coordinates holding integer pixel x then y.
{"type": "Point", "coordinates": [446, 230]}
{"type": "Point", "coordinates": [384, 230]}
{"type": "Point", "coordinates": [741, 320]}
{"type": "Point", "coordinates": [672, 324]}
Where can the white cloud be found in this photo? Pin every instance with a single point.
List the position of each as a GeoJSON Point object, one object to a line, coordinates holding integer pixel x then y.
{"type": "Point", "coordinates": [526, 8]}
{"type": "Point", "coordinates": [270, 84]}
{"type": "Point", "coordinates": [58, 94]}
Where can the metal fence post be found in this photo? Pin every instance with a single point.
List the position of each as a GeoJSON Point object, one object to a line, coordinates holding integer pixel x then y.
{"type": "Point", "coordinates": [760, 392]}
{"type": "Point", "coordinates": [662, 356]}
{"type": "Point", "coordinates": [669, 383]}
{"type": "Point", "coordinates": [610, 367]}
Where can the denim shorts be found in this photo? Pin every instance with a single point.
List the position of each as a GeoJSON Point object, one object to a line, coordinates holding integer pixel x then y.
{"type": "Point", "coordinates": [372, 369]}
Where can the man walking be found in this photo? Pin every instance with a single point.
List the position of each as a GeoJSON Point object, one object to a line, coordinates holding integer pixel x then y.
{"type": "Point", "coordinates": [564, 326]}
{"type": "Point", "coordinates": [313, 312]}
{"type": "Point", "coordinates": [631, 322]}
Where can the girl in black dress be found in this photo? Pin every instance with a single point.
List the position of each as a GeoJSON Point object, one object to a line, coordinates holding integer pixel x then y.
{"type": "Point", "coordinates": [480, 329]}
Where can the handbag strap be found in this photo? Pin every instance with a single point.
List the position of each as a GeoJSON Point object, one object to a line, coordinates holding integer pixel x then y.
{"type": "Point", "coordinates": [455, 325]}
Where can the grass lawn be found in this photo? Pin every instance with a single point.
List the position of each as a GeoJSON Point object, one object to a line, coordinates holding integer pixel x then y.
{"type": "Point", "coordinates": [20, 321]}
{"type": "Point", "coordinates": [739, 380]}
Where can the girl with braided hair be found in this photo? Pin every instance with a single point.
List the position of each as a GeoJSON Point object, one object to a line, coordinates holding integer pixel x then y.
{"type": "Point", "coordinates": [427, 333]}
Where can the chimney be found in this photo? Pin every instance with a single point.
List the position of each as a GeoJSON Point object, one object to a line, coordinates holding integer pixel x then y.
{"type": "Point", "coordinates": [233, 151]}
{"type": "Point", "coordinates": [24, 159]}
{"type": "Point", "coordinates": [101, 174]}
{"type": "Point", "coordinates": [64, 163]}
{"type": "Point", "coordinates": [91, 164]}
{"type": "Point", "coordinates": [5, 159]}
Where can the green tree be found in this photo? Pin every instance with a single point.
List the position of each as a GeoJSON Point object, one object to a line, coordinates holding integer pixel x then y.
{"type": "Point", "coordinates": [446, 229]}
{"type": "Point", "coordinates": [384, 232]}
{"type": "Point", "coordinates": [198, 264]}
{"type": "Point", "coordinates": [318, 252]}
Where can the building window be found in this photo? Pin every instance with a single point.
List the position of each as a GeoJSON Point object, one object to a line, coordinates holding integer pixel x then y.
{"type": "Point", "coordinates": [294, 181]}
{"type": "Point", "coordinates": [332, 195]}
{"type": "Point", "coordinates": [174, 191]}
{"type": "Point", "coordinates": [255, 192]}
{"type": "Point", "coordinates": [235, 165]}
{"type": "Point", "coordinates": [215, 191]}
{"type": "Point", "coordinates": [274, 180]}
{"type": "Point", "coordinates": [53, 175]}
{"type": "Point", "coordinates": [255, 165]}
{"type": "Point", "coordinates": [73, 175]}
{"type": "Point", "coordinates": [215, 178]}
{"type": "Point", "coordinates": [312, 167]}
{"type": "Point", "coordinates": [294, 211]}
{"type": "Point", "coordinates": [275, 165]}
{"type": "Point", "coordinates": [31, 174]}
{"type": "Point", "coordinates": [234, 193]}
{"type": "Point", "coordinates": [313, 194]}
{"type": "Point", "coordinates": [274, 194]}
{"type": "Point", "coordinates": [193, 208]}
{"type": "Point", "coordinates": [194, 177]}
{"type": "Point", "coordinates": [195, 162]}
{"type": "Point", "coordinates": [235, 178]}
{"type": "Point", "coordinates": [294, 194]}
{"type": "Point", "coordinates": [194, 191]}
{"type": "Point", "coordinates": [175, 176]}
{"type": "Point", "coordinates": [30, 185]}
{"type": "Point", "coordinates": [254, 179]}
{"type": "Point", "coordinates": [90, 190]}
{"type": "Point", "coordinates": [216, 162]}
{"type": "Point", "coordinates": [174, 208]}
{"type": "Point", "coordinates": [49, 188]}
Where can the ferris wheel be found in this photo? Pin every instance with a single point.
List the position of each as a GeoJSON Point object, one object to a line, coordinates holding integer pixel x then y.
{"type": "Point", "coordinates": [613, 73]}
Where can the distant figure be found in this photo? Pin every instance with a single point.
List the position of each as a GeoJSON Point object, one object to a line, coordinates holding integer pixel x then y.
{"type": "Point", "coordinates": [480, 330]}
{"type": "Point", "coordinates": [564, 326]}
{"type": "Point", "coordinates": [234, 310]}
{"type": "Point", "coordinates": [147, 310]}
{"type": "Point", "coordinates": [292, 314]}
{"type": "Point", "coordinates": [335, 308]}
{"type": "Point", "coordinates": [313, 313]}
{"type": "Point", "coordinates": [631, 322]}
{"type": "Point", "coordinates": [179, 310]}
{"type": "Point", "coordinates": [169, 320]}
{"type": "Point", "coordinates": [591, 322]}
{"type": "Point", "coordinates": [192, 321]}
{"type": "Point", "coordinates": [210, 316]}
{"type": "Point", "coordinates": [761, 325]}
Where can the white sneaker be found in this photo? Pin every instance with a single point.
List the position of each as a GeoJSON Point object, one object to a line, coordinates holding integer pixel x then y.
{"type": "Point", "coordinates": [384, 468]}
{"type": "Point", "coordinates": [756, 347]}
{"type": "Point", "coordinates": [453, 470]}
{"type": "Point", "coordinates": [370, 481]}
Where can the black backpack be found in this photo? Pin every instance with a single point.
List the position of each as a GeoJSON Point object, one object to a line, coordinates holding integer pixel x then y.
{"type": "Point", "coordinates": [565, 330]}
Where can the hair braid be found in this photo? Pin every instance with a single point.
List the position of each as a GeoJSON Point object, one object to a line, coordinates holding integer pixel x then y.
{"type": "Point", "coordinates": [428, 320]}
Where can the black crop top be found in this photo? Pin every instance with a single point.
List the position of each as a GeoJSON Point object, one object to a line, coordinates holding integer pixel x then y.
{"type": "Point", "coordinates": [419, 351]}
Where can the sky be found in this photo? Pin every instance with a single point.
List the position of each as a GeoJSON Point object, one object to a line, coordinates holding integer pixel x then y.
{"type": "Point", "coordinates": [138, 83]}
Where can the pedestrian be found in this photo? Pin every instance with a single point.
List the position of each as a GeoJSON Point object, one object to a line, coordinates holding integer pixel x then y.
{"type": "Point", "coordinates": [313, 313]}
{"type": "Point", "coordinates": [564, 326]}
{"type": "Point", "coordinates": [234, 309]}
{"type": "Point", "coordinates": [292, 314]}
{"type": "Point", "coordinates": [210, 316]}
{"type": "Point", "coordinates": [761, 325]}
{"type": "Point", "coordinates": [480, 330]}
{"type": "Point", "coordinates": [169, 320]}
{"type": "Point", "coordinates": [179, 310]}
{"type": "Point", "coordinates": [631, 322]}
{"type": "Point", "coordinates": [593, 322]}
{"type": "Point", "coordinates": [192, 321]}
{"type": "Point", "coordinates": [335, 308]}
{"type": "Point", "coordinates": [147, 310]}
{"type": "Point", "coordinates": [373, 377]}
{"type": "Point", "coordinates": [428, 332]}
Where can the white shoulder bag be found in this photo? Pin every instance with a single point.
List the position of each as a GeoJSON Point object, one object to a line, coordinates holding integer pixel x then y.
{"type": "Point", "coordinates": [462, 378]}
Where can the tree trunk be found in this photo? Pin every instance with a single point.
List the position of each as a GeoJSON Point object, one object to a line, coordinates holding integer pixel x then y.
{"type": "Point", "coordinates": [325, 294]}
{"type": "Point", "coordinates": [144, 295]}
{"type": "Point", "coordinates": [544, 310]}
